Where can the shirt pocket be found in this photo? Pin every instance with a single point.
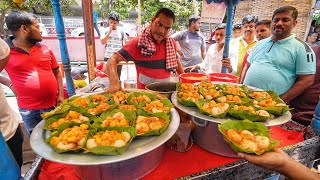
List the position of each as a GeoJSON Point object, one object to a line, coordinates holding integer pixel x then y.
{"type": "Point", "coordinates": [44, 62]}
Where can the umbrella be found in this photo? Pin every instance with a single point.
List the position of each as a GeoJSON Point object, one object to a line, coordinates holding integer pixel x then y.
{"type": "Point", "coordinates": [63, 45]}
{"type": "Point", "coordinates": [231, 4]}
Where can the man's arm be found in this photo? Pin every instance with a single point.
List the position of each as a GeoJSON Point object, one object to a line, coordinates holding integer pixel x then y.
{"type": "Point", "coordinates": [244, 72]}
{"type": "Point", "coordinates": [112, 73]}
{"type": "Point", "coordinates": [105, 39]}
{"type": "Point", "coordinates": [280, 161]}
{"type": "Point", "coordinates": [58, 76]}
{"type": "Point", "coordinates": [302, 83]}
{"type": "Point", "coordinates": [180, 67]}
{"type": "Point", "coordinates": [203, 53]}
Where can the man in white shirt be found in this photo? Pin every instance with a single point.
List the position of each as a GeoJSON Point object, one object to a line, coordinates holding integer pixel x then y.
{"type": "Point", "coordinates": [114, 38]}
{"type": "Point", "coordinates": [9, 120]}
{"type": "Point", "coordinates": [213, 62]}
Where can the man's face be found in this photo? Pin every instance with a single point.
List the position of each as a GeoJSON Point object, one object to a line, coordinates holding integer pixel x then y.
{"type": "Point", "coordinates": [313, 38]}
{"type": "Point", "coordinates": [160, 27]}
{"type": "Point", "coordinates": [237, 33]}
{"type": "Point", "coordinates": [282, 25]}
{"type": "Point", "coordinates": [113, 24]}
{"type": "Point", "coordinates": [262, 32]}
{"type": "Point", "coordinates": [219, 36]}
{"type": "Point", "coordinates": [249, 29]}
{"type": "Point", "coordinates": [196, 25]}
{"type": "Point", "coordinates": [34, 33]}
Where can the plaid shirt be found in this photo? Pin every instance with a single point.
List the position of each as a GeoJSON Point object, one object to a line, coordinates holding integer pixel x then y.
{"type": "Point", "coordinates": [148, 48]}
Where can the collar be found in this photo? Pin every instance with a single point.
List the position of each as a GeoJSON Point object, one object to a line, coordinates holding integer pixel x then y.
{"type": "Point", "coordinates": [283, 40]}
{"type": "Point", "coordinates": [11, 45]}
{"type": "Point", "coordinates": [245, 43]}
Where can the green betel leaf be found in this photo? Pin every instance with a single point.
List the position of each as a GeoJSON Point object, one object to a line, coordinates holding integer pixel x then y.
{"type": "Point", "coordinates": [57, 111]}
{"type": "Point", "coordinates": [57, 117]}
{"type": "Point", "coordinates": [111, 150]}
{"type": "Point", "coordinates": [203, 108]}
{"type": "Point", "coordinates": [58, 132]}
{"type": "Point", "coordinates": [156, 132]}
{"type": "Point", "coordinates": [102, 107]}
{"type": "Point", "coordinates": [166, 106]}
{"type": "Point", "coordinates": [188, 103]}
{"type": "Point", "coordinates": [258, 129]}
{"type": "Point", "coordinates": [211, 93]}
{"type": "Point", "coordinates": [130, 116]}
{"type": "Point", "coordinates": [243, 90]}
{"type": "Point", "coordinates": [246, 114]}
{"type": "Point", "coordinates": [178, 85]}
{"type": "Point", "coordinates": [148, 97]}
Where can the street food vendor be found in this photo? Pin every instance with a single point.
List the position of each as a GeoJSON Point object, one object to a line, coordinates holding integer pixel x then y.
{"type": "Point", "coordinates": [153, 52]}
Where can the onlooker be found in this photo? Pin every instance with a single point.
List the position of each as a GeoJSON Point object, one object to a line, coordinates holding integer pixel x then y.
{"type": "Point", "coordinates": [95, 21]}
{"type": "Point", "coordinates": [32, 68]}
{"type": "Point", "coordinates": [282, 63]}
{"type": "Point", "coordinates": [247, 41]}
{"type": "Point", "coordinates": [304, 105]}
{"type": "Point", "coordinates": [279, 161]}
{"type": "Point", "coordinates": [113, 39]}
{"type": "Point", "coordinates": [312, 39]}
{"type": "Point", "coordinates": [237, 31]}
{"type": "Point", "coordinates": [263, 31]}
{"type": "Point", "coordinates": [9, 120]}
{"type": "Point", "coordinates": [192, 43]}
{"type": "Point", "coordinates": [213, 62]}
{"type": "Point", "coordinates": [153, 52]}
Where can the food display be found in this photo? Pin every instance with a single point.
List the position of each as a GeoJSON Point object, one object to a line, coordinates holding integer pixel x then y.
{"type": "Point", "coordinates": [106, 124]}
{"type": "Point", "coordinates": [247, 136]}
{"type": "Point", "coordinates": [238, 101]}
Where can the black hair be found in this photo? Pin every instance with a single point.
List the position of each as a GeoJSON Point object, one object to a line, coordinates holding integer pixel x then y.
{"type": "Point", "coordinates": [167, 12]}
{"type": "Point", "coordinates": [221, 26]}
{"type": "Point", "coordinates": [192, 19]}
{"type": "Point", "coordinates": [293, 10]}
{"type": "Point", "coordinates": [114, 16]}
{"type": "Point", "coordinates": [249, 19]}
{"type": "Point", "coordinates": [311, 32]}
{"type": "Point", "coordinates": [18, 18]}
{"type": "Point", "coordinates": [236, 26]}
{"type": "Point", "coordinates": [266, 22]}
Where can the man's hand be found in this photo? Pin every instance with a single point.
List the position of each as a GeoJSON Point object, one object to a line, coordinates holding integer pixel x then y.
{"type": "Point", "coordinates": [60, 99]}
{"type": "Point", "coordinates": [114, 88]}
{"type": "Point", "coordinates": [190, 68]}
{"type": "Point", "coordinates": [274, 160]}
{"type": "Point", "coordinates": [227, 64]}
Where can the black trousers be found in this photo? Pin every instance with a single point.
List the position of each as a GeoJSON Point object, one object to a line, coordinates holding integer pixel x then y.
{"type": "Point", "coordinates": [15, 145]}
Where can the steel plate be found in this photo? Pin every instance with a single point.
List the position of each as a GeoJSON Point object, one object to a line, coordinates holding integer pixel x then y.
{"type": "Point", "coordinates": [193, 111]}
{"type": "Point", "coordinates": [137, 147]}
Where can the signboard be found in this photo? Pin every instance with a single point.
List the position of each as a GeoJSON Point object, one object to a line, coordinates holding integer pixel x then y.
{"type": "Point", "coordinates": [213, 12]}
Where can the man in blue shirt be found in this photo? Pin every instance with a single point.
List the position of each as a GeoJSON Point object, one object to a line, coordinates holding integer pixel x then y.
{"type": "Point", "coordinates": [95, 21]}
{"type": "Point", "coordinates": [282, 63]}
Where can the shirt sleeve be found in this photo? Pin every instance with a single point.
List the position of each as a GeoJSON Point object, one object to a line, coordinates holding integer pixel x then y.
{"type": "Point", "coordinates": [177, 36]}
{"type": "Point", "coordinates": [127, 50]}
{"type": "Point", "coordinates": [205, 63]}
{"type": "Point", "coordinates": [203, 43]}
{"type": "Point", "coordinates": [305, 60]}
{"type": "Point", "coordinates": [234, 60]}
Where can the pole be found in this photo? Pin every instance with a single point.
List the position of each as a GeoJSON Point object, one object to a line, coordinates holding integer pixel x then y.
{"type": "Point", "coordinates": [63, 45]}
{"type": "Point", "coordinates": [139, 17]}
{"type": "Point", "coordinates": [230, 11]}
{"type": "Point", "coordinates": [87, 12]}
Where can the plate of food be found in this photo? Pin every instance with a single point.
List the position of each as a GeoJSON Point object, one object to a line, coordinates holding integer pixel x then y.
{"type": "Point", "coordinates": [218, 101]}
{"type": "Point", "coordinates": [105, 128]}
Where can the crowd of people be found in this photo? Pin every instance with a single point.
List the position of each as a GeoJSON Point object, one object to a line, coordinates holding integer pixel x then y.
{"type": "Point", "coordinates": [264, 54]}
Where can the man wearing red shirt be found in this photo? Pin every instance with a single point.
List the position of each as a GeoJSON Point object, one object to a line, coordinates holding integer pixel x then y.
{"type": "Point", "coordinates": [32, 68]}
{"type": "Point", "coordinates": [153, 52]}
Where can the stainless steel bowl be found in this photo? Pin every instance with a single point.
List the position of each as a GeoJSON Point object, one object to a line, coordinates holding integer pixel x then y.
{"type": "Point", "coordinates": [164, 88]}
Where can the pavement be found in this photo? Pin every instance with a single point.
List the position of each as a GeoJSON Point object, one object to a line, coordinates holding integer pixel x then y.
{"type": "Point", "coordinates": [128, 72]}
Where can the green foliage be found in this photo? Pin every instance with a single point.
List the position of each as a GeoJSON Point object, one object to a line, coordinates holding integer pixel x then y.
{"type": "Point", "coordinates": [316, 17]}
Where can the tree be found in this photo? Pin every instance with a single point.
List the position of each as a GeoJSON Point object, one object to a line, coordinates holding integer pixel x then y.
{"type": "Point", "coordinates": [6, 6]}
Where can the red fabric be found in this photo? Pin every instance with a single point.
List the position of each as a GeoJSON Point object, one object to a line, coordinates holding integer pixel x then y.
{"type": "Point", "coordinates": [174, 164]}
{"type": "Point", "coordinates": [32, 76]}
{"type": "Point", "coordinates": [52, 170]}
{"type": "Point", "coordinates": [148, 48]}
{"type": "Point", "coordinates": [131, 52]}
